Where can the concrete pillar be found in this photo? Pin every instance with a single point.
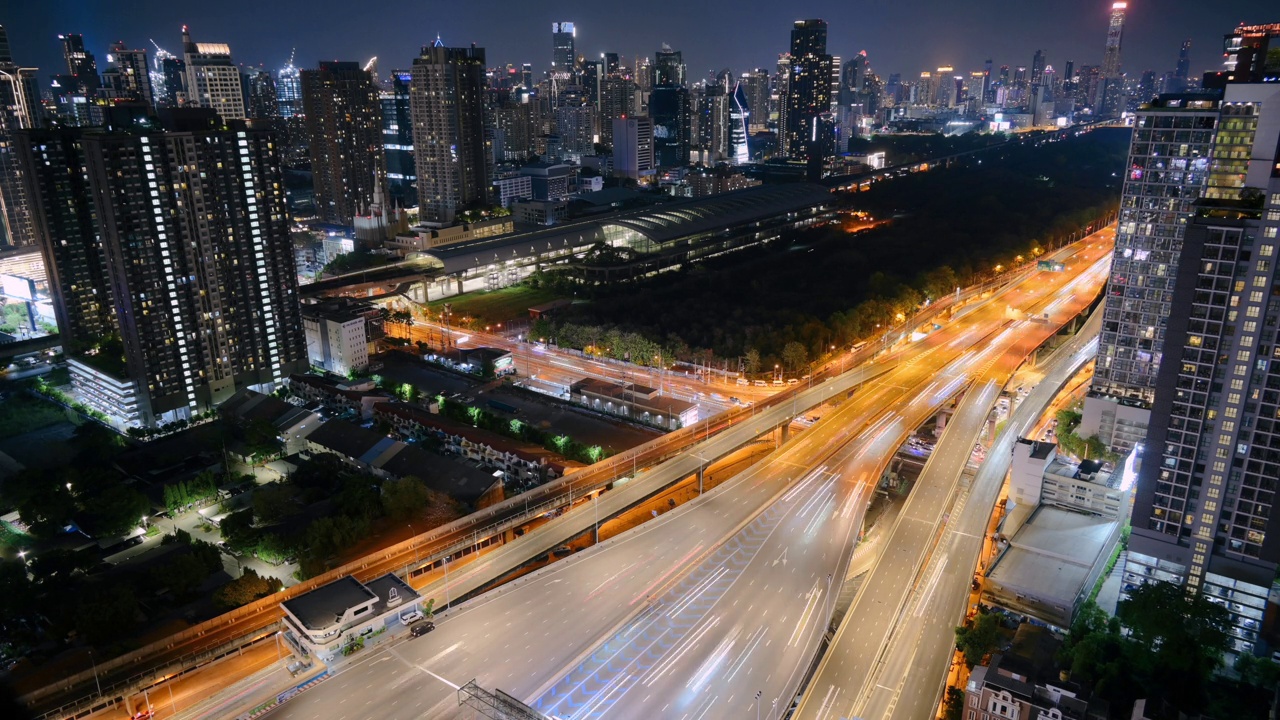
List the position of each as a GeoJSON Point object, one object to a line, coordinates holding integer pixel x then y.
{"type": "Point", "coordinates": [786, 433]}
{"type": "Point", "coordinates": [459, 285]}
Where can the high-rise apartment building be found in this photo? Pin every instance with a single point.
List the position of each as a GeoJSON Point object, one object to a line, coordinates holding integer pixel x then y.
{"type": "Point", "coordinates": [564, 56]}
{"type": "Point", "coordinates": [633, 147]}
{"type": "Point", "coordinates": [1205, 510]}
{"type": "Point", "coordinates": [576, 127]}
{"type": "Point", "coordinates": [343, 113]}
{"type": "Point", "coordinates": [213, 81]}
{"type": "Point", "coordinates": [808, 94]}
{"type": "Point", "coordinates": [1250, 54]}
{"type": "Point", "coordinates": [397, 141]}
{"type": "Point", "coordinates": [1168, 170]}
{"type": "Point", "coordinates": [19, 108]}
{"type": "Point", "coordinates": [446, 101]}
{"type": "Point", "coordinates": [82, 66]}
{"type": "Point", "coordinates": [756, 86]}
{"type": "Point", "coordinates": [261, 98]}
{"type": "Point", "coordinates": [174, 71]}
{"type": "Point", "coordinates": [617, 100]}
{"type": "Point", "coordinates": [169, 256]}
{"type": "Point", "coordinates": [135, 76]}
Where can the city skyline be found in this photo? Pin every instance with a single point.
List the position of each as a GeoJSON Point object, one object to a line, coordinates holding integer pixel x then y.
{"type": "Point", "coordinates": [1153, 34]}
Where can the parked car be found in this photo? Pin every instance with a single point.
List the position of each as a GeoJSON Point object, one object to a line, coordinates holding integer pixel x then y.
{"type": "Point", "coordinates": [422, 628]}
{"type": "Point", "coordinates": [410, 617]}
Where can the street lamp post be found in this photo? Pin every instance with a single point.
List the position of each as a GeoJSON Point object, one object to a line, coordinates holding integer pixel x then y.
{"type": "Point", "coordinates": [96, 681]}
{"type": "Point", "coordinates": [596, 508]}
{"type": "Point", "coordinates": [413, 539]}
{"type": "Point", "coordinates": [447, 602]}
{"type": "Point", "coordinates": [758, 704]}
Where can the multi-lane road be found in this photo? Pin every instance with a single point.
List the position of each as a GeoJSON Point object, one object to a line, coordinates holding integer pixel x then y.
{"type": "Point", "coordinates": [729, 592]}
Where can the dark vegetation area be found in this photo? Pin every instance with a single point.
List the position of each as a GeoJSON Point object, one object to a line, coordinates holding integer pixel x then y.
{"type": "Point", "coordinates": [1172, 649]}
{"type": "Point", "coordinates": [825, 286]}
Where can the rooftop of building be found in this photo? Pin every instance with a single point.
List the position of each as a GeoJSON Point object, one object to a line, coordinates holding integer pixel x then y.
{"type": "Point", "coordinates": [1039, 450]}
{"type": "Point", "coordinates": [455, 477]}
{"type": "Point", "coordinates": [324, 607]}
{"type": "Point", "coordinates": [1052, 553]}
{"type": "Point", "coordinates": [346, 439]}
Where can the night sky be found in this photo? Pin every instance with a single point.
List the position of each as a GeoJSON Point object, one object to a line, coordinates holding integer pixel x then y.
{"type": "Point", "coordinates": [904, 36]}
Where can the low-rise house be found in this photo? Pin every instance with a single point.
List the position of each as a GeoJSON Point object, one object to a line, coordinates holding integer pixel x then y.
{"type": "Point", "coordinates": [635, 402]}
{"type": "Point", "coordinates": [1024, 684]}
{"type": "Point", "coordinates": [323, 621]}
{"type": "Point", "coordinates": [357, 396]}
{"type": "Point", "coordinates": [519, 461]}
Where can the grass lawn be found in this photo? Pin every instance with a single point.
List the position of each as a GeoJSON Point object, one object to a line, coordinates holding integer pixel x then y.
{"type": "Point", "coordinates": [22, 413]}
{"type": "Point", "coordinates": [496, 306]}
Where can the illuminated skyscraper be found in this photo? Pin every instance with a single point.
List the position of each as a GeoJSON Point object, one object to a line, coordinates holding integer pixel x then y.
{"type": "Point", "coordinates": [213, 81]}
{"type": "Point", "coordinates": [1109, 101]}
{"type": "Point", "coordinates": [397, 141]}
{"type": "Point", "coordinates": [344, 123]}
{"type": "Point", "coordinates": [187, 296]}
{"type": "Point", "coordinates": [1250, 54]}
{"type": "Point", "coordinates": [808, 92]}
{"type": "Point", "coordinates": [739, 112]}
{"type": "Point", "coordinates": [289, 90]}
{"type": "Point", "coordinates": [1205, 512]}
{"type": "Point", "coordinates": [668, 67]}
{"type": "Point", "coordinates": [81, 63]}
{"type": "Point", "coordinates": [133, 72]}
{"type": "Point", "coordinates": [19, 108]}
{"type": "Point", "coordinates": [563, 53]}
{"type": "Point", "coordinates": [446, 101]}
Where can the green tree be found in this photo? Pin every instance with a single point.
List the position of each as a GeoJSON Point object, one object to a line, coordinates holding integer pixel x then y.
{"type": "Point", "coordinates": [955, 704]}
{"type": "Point", "coordinates": [978, 637]}
{"type": "Point", "coordinates": [794, 356]}
{"type": "Point", "coordinates": [404, 498]}
{"type": "Point", "coordinates": [245, 589]}
{"type": "Point", "coordinates": [1256, 671]}
{"type": "Point", "coordinates": [107, 615]}
{"type": "Point", "coordinates": [116, 510]}
{"type": "Point", "coordinates": [752, 361]}
{"type": "Point", "coordinates": [261, 439]}
{"type": "Point", "coordinates": [1185, 636]}
{"type": "Point", "coordinates": [274, 502]}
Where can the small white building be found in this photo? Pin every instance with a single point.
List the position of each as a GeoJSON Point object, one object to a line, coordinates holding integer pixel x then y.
{"type": "Point", "coordinates": [346, 612]}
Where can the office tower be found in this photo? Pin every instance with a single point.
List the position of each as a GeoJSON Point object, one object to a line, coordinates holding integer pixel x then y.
{"type": "Point", "coordinates": [446, 101]}
{"type": "Point", "coordinates": [344, 125]}
{"type": "Point", "coordinates": [261, 96]}
{"type": "Point", "coordinates": [1249, 52]}
{"type": "Point", "coordinates": [1146, 87]}
{"type": "Point", "coordinates": [133, 72]}
{"type": "Point", "coordinates": [668, 67]}
{"type": "Point", "coordinates": [1168, 170]}
{"type": "Point", "coordinates": [1037, 68]}
{"type": "Point", "coordinates": [289, 90]}
{"type": "Point", "coordinates": [808, 91]}
{"type": "Point", "coordinates": [670, 109]}
{"type": "Point", "coordinates": [611, 63]}
{"type": "Point", "coordinates": [19, 108]}
{"type": "Point", "coordinates": [397, 141]}
{"type": "Point", "coordinates": [1115, 33]}
{"type": "Point", "coordinates": [711, 113]}
{"type": "Point", "coordinates": [851, 79]}
{"type": "Point", "coordinates": [644, 75]}
{"type": "Point", "coordinates": [526, 76]}
{"type": "Point", "coordinates": [617, 100]}
{"type": "Point", "coordinates": [576, 126]}
{"type": "Point", "coordinates": [633, 147]}
{"type": "Point", "coordinates": [1182, 71]}
{"type": "Point", "coordinates": [564, 58]}
{"type": "Point", "coordinates": [82, 66]}
{"type": "Point", "coordinates": [213, 81]}
{"type": "Point", "coordinates": [739, 113]}
{"type": "Point", "coordinates": [1069, 82]}
{"type": "Point", "coordinates": [168, 302]}
{"type": "Point", "coordinates": [1108, 101]}
{"type": "Point", "coordinates": [174, 71]}
{"type": "Point", "coordinates": [1205, 510]}
{"type": "Point", "coordinates": [756, 86]}
{"type": "Point", "coordinates": [836, 66]}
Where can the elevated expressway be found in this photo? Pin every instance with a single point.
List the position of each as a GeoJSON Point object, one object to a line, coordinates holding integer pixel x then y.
{"type": "Point", "coordinates": [693, 613]}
